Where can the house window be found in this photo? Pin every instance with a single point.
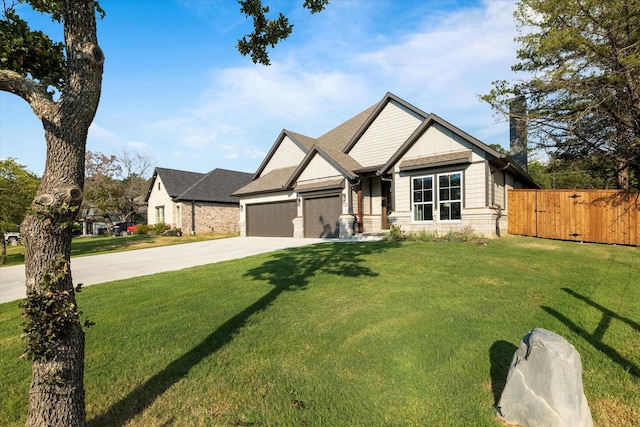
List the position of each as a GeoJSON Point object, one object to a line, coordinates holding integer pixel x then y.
{"type": "Point", "coordinates": [159, 214]}
{"type": "Point", "coordinates": [450, 196]}
{"type": "Point", "coordinates": [422, 194]}
{"type": "Point", "coordinates": [158, 186]}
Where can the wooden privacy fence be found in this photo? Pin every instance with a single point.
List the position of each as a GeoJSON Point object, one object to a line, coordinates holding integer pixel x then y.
{"type": "Point", "coordinates": [599, 216]}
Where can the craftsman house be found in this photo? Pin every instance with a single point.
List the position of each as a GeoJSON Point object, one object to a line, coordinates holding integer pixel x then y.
{"type": "Point", "coordinates": [196, 202]}
{"type": "Point", "coordinates": [390, 164]}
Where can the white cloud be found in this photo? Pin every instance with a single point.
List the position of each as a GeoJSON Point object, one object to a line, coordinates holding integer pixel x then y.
{"type": "Point", "coordinates": [99, 133]}
{"type": "Point", "coordinates": [138, 145]}
{"type": "Point", "coordinates": [439, 64]}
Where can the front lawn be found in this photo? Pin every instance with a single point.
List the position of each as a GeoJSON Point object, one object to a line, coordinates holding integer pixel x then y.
{"type": "Point", "coordinates": [94, 245]}
{"type": "Point", "coordinates": [348, 334]}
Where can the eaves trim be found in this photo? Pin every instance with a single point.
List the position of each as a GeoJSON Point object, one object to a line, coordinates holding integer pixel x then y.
{"type": "Point", "coordinates": [448, 159]}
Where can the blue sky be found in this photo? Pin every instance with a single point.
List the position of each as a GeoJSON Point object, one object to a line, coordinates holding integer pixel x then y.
{"type": "Point", "coordinates": [176, 89]}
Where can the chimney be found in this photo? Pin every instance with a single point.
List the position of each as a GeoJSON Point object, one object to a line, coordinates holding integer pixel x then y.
{"type": "Point", "coordinates": [518, 131]}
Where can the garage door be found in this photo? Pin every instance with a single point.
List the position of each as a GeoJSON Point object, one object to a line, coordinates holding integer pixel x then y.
{"type": "Point", "coordinates": [271, 219]}
{"type": "Point", "coordinates": [321, 217]}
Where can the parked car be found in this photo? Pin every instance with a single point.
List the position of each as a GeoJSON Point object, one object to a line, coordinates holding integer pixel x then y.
{"type": "Point", "coordinates": [123, 228]}
{"type": "Point", "coordinates": [12, 237]}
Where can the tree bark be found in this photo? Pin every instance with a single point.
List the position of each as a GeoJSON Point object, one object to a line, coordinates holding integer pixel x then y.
{"type": "Point", "coordinates": [56, 395]}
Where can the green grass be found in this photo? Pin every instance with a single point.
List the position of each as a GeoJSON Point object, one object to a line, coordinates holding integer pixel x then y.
{"type": "Point", "coordinates": [93, 245]}
{"type": "Point", "coordinates": [348, 334]}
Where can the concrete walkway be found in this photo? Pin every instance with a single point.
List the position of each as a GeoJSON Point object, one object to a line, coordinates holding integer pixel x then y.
{"type": "Point", "coordinates": [91, 270]}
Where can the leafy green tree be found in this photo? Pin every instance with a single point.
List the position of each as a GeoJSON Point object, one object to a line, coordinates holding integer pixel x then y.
{"type": "Point", "coordinates": [116, 183]}
{"type": "Point", "coordinates": [563, 174]}
{"type": "Point", "coordinates": [62, 83]}
{"type": "Point", "coordinates": [580, 62]}
{"type": "Point", "coordinates": [18, 186]}
{"type": "Point", "coordinates": [499, 148]}
{"type": "Point", "coordinates": [538, 171]}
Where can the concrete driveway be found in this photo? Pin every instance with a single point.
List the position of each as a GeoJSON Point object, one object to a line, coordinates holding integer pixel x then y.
{"type": "Point", "coordinates": [91, 270]}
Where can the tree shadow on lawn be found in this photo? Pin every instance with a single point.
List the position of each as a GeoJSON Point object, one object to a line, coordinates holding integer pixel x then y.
{"type": "Point", "coordinates": [501, 355]}
{"type": "Point", "coordinates": [595, 338]}
{"type": "Point", "coordinates": [288, 270]}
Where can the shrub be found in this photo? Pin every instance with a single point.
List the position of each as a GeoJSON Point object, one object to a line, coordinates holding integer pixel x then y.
{"type": "Point", "coordinates": [395, 234]}
{"type": "Point", "coordinates": [173, 232]}
{"type": "Point", "coordinates": [464, 235]}
{"type": "Point", "coordinates": [142, 229]}
{"type": "Point", "coordinates": [423, 236]}
{"type": "Point", "coordinates": [160, 228]}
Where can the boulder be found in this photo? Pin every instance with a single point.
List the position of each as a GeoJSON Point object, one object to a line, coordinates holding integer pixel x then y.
{"type": "Point", "coordinates": [544, 384]}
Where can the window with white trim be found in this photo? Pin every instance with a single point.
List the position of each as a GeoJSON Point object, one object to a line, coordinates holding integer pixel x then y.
{"type": "Point", "coordinates": [159, 214]}
{"type": "Point", "coordinates": [437, 194]}
{"type": "Point", "coordinates": [422, 197]}
{"type": "Point", "coordinates": [450, 196]}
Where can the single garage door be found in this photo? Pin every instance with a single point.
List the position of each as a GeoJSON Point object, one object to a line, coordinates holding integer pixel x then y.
{"type": "Point", "coordinates": [321, 216]}
{"type": "Point", "coordinates": [271, 219]}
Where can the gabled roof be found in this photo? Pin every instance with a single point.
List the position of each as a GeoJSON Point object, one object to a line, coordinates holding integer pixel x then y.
{"type": "Point", "coordinates": [335, 145]}
{"type": "Point", "coordinates": [338, 138]}
{"type": "Point", "coordinates": [375, 112]}
{"type": "Point", "coordinates": [502, 160]}
{"type": "Point", "coordinates": [331, 144]}
{"type": "Point", "coordinates": [346, 166]}
{"type": "Point", "coordinates": [216, 186]}
{"type": "Point", "coordinates": [270, 182]}
{"type": "Point", "coordinates": [175, 181]}
{"type": "Point", "coordinates": [429, 122]}
{"type": "Point", "coordinates": [304, 142]}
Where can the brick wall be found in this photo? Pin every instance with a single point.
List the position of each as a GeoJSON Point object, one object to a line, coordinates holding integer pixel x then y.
{"type": "Point", "coordinates": [211, 218]}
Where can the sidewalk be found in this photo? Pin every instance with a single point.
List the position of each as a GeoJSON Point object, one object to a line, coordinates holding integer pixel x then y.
{"type": "Point", "coordinates": [91, 270]}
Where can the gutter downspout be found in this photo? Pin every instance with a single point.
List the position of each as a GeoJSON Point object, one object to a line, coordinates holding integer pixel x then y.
{"type": "Point", "coordinates": [193, 217]}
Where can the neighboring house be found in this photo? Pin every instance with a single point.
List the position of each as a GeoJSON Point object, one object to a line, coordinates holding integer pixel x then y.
{"type": "Point", "coordinates": [196, 202]}
{"type": "Point", "coordinates": [390, 164]}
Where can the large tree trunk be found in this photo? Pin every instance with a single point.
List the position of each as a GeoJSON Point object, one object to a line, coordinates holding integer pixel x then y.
{"type": "Point", "coordinates": [56, 396]}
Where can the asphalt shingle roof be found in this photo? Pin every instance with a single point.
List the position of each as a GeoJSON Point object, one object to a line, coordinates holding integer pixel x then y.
{"type": "Point", "coordinates": [176, 181]}
{"type": "Point", "coordinates": [274, 180]}
{"type": "Point", "coordinates": [217, 186]}
{"type": "Point", "coordinates": [331, 144]}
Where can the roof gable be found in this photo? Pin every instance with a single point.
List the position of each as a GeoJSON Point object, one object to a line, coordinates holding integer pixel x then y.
{"type": "Point", "coordinates": [174, 181]}
{"type": "Point", "coordinates": [494, 157]}
{"type": "Point", "coordinates": [375, 113]}
{"type": "Point", "coordinates": [433, 120]}
{"type": "Point", "coordinates": [288, 150]}
{"type": "Point", "coordinates": [318, 159]}
{"type": "Point", "coordinates": [383, 136]}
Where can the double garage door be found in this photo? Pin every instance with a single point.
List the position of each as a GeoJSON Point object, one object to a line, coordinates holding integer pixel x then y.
{"type": "Point", "coordinates": [271, 219]}
{"type": "Point", "coordinates": [276, 219]}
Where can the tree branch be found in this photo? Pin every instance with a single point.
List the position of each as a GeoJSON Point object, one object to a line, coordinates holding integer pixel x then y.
{"type": "Point", "coordinates": [39, 99]}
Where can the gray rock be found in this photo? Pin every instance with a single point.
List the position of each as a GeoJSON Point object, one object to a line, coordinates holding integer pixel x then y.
{"type": "Point", "coordinates": [544, 384]}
